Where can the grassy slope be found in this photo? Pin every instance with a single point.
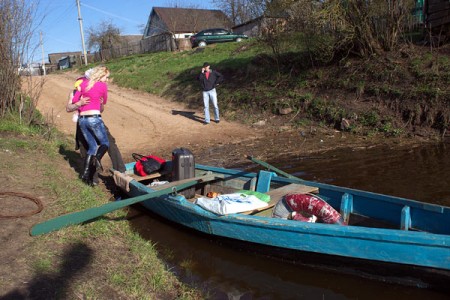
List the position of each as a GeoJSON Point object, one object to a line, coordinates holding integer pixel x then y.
{"type": "Point", "coordinates": [104, 259]}
{"type": "Point", "coordinates": [390, 94]}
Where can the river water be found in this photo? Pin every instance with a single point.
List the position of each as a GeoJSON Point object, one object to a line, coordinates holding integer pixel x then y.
{"type": "Point", "coordinates": [229, 272]}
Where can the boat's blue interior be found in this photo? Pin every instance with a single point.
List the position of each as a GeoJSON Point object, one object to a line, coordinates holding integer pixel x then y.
{"type": "Point", "coordinates": [401, 213]}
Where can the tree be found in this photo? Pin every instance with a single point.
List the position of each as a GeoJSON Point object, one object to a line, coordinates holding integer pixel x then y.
{"type": "Point", "coordinates": [103, 36]}
{"type": "Point", "coordinates": [353, 26]}
{"type": "Point", "coordinates": [17, 24]}
{"type": "Point", "coordinates": [241, 11]}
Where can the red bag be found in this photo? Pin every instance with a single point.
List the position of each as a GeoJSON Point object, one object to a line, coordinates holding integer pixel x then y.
{"type": "Point", "coordinates": [145, 165]}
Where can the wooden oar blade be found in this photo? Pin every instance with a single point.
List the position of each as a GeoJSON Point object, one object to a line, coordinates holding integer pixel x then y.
{"type": "Point", "coordinates": [94, 212]}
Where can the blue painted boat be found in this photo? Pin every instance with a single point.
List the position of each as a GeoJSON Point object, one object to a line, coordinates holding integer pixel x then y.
{"type": "Point", "coordinates": [380, 228]}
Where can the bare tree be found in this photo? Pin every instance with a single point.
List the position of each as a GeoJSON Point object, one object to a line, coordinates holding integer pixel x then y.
{"type": "Point", "coordinates": [103, 36]}
{"type": "Point", "coordinates": [180, 4]}
{"type": "Point", "coordinates": [17, 25]}
{"type": "Point", "coordinates": [240, 11]}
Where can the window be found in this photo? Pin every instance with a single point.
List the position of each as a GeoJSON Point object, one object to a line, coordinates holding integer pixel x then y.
{"type": "Point", "coordinates": [221, 32]}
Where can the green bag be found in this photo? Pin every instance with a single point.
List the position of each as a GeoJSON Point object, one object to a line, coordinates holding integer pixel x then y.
{"type": "Point", "coordinates": [260, 196]}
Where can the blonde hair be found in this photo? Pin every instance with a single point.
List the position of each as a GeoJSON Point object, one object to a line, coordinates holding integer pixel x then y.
{"type": "Point", "coordinates": [96, 74]}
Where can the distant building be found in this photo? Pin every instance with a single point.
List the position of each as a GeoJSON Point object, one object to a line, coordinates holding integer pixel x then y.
{"type": "Point", "coordinates": [437, 15]}
{"type": "Point", "coordinates": [66, 62]}
{"type": "Point", "coordinates": [54, 58]}
{"type": "Point", "coordinates": [33, 69]}
{"type": "Point", "coordinates": [68, 59]}
{"type": "Point", "coordinates": [254, 28]}
{"type": "Point", "coordinates": [169, 29]}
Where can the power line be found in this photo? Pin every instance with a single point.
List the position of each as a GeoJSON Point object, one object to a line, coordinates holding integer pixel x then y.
{"type": "Point", "coordinates": [110, 14]}
{"type": "Point", "coordinates": [55, 14]}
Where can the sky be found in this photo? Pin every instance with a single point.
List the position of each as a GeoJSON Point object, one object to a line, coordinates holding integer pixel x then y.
{"type": "Point", "coordinates": [60, 27]}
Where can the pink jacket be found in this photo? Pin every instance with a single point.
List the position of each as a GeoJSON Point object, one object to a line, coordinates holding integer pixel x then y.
{"type": "Point", "coordinates": [98, 94]}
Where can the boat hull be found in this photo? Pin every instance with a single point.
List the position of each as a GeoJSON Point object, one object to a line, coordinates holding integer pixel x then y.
{"type": "Point", "coordinates": [426, 251]}
{"type": "Point", "coordinates": [394, 246]}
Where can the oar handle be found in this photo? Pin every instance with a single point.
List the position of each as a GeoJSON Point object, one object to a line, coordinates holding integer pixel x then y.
{"type": "Point", "coordinates": [94, 212]}
{"type": "Point", "coordinates": [270, 167]}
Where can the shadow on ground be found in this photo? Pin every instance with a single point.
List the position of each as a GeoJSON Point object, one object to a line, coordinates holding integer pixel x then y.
{"type": "Point", "coordinates": [188, 114]}
{"type": "Point", "coordinates": [55, 285]}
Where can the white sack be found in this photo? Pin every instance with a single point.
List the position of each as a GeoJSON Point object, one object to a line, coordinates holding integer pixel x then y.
{"type": "Point", "coordinates": [230, 203]}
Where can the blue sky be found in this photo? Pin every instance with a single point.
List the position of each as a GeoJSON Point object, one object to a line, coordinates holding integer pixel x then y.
{"type": "Point", "coordinates": [61, 30]}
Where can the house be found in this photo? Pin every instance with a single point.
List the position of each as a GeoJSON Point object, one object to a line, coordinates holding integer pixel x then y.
{"type": "Point", "coordinates": [66, 62]}
{"type": "Point", "coordinates": [250, 28]}
{"type": "Point", "coordinates": [183, 22]}
{"type": "Point", "coordinates": [437, 13]}
{"type": "Point", "coordinates": [67, 59]}
{"type": "Point", "coordinates": [54, 58]}
{"type": "Point", "coordinates": [254, 27]}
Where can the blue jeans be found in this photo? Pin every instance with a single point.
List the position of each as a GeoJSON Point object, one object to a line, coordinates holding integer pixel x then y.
{"type": "Point", "coordinates": [94, 132]}
{"type": "Point", "coordinates": [210, 95]}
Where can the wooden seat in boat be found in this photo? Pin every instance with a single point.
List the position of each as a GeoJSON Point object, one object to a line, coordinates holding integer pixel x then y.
{"type": "Point", "coordinates": [278, 193]}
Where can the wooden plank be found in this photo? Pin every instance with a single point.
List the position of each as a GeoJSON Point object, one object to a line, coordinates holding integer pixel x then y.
{"type": "Point", "coordinates": [433, 7]}
{"type": "Point", "coordinates": [293, 188]}
{"type": "Point", "coordinates": [161, 172]}
{"type": "Point", "coordinates": [142, 178]}
{"type": "Point", "coordinates": [438, 22]}
{"type": "Point", "coordinates": [277, 194]}
{"type": "Point", "coordinates": [203, 178]}
{"type": "Point", "coordinates": [438, 15]}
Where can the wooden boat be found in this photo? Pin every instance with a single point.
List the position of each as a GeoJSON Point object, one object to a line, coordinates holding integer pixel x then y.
{"type": "Point", "coordinates": [380, 229]}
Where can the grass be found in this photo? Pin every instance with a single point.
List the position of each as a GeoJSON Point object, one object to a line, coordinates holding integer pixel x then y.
{"type": "Point", "coordinates": [12, 123]}
{"type": "Point", "coordinates": [104, 256]}
{"type": "Point", "coordinates": [156, 72]}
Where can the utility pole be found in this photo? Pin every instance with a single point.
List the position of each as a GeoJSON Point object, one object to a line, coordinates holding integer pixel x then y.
{"type": "Point", "coordinates": [81, 31]}
{"type": "Point", "coordinates": [43, 56]}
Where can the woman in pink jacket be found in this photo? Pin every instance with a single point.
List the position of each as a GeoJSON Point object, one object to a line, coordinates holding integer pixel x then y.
{"type": "Point", "coordinates": [90, 119]}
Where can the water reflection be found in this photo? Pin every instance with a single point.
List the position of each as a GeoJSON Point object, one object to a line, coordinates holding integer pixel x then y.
{"type": "Point", "coordinates": [231, 273]}
{"type": "Point", "coordinates": [420, 173]}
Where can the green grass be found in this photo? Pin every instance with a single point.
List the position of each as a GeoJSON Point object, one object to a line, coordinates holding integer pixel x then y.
{"type": "Point", "coordinates": [43, 265]}
{"type": "Point", "coordinates": [14, 123]}
{"type": "Point", "coordinates": [156, 72]}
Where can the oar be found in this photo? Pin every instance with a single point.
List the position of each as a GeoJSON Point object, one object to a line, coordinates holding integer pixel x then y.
{"type": "Point", "coordinates": [270, 167]}
{"type": "Point", "coordinates": [94, 212]}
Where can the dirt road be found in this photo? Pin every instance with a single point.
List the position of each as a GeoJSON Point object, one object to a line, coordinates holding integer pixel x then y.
{"type": "Point", "coordinates": [142, 122]}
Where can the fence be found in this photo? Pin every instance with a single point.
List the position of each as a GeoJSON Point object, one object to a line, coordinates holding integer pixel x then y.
{"type": "Point", "coordinates": [159, 43]}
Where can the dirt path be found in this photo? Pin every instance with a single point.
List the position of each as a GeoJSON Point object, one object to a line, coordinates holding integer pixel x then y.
{"type": "Point", "coordinates": [142, 122]}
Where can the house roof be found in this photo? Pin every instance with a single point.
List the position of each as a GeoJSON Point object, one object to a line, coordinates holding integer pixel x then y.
{"type": "Point", "coordinates": [190, 19]}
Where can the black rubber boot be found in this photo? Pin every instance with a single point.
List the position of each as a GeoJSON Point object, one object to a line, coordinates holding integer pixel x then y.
{"type": "Point", "coordinates": [87, 171]}
{"type": "Point", "coordinates": [98, 157]}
